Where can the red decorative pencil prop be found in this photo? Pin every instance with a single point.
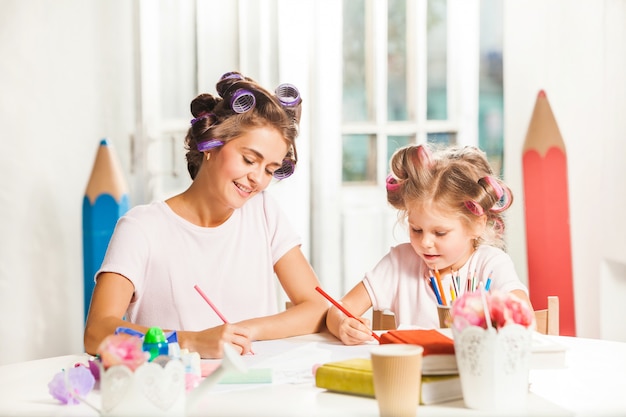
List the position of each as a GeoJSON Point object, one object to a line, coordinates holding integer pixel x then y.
{"type": "Point", "coordinates": [547, 215]}
{"type": "Point", "coordinates": [340, 307]}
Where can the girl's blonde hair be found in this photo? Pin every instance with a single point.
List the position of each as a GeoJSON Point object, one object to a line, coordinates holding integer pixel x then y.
{"type": "Point", "coordinates": [458, 180]}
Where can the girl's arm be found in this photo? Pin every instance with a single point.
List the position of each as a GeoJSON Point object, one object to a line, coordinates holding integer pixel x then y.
{"type": "Point", "coordinates": [351, 331]}
{"type": "Point", "coordinates": [309, 308]}
{"type": "Point", "coordinates": [523, 296]}
{"type": "Point", "coordinates": [109, 302]}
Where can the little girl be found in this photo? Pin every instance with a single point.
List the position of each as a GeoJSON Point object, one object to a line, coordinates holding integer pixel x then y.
{"type": "Point", "coordinates": [453, 205]}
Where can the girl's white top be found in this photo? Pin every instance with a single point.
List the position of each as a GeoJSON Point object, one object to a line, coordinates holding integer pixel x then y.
{"type": "Point", "coordinates": [400, 282]}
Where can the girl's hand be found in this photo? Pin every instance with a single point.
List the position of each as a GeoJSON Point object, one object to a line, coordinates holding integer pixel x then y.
{"type": "Point", "coordinates": [355, 331]}
{"type": "Point", "coordinates": [209, 343]}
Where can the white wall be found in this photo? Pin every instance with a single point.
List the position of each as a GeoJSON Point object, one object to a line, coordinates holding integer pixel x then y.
{"type": "Point", "coordinates": [65, 83]}
{"type": "Point", "coordinates": [576, 52]}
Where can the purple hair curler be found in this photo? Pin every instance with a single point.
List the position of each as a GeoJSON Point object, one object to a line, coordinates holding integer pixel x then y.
{"type": "Point", "coordinates": [288, 95]}
{"type": "Point", "coordinates": [232, 74]}
{"type": "Point", "coordinates": [203, 115]}
{"type": "Point", "coordinates": [209, 144]}
{"type": "Point", "coordinates": [242, 101]}
{"type": "Point", "coordinates": [286, 169]}
{"type": "Point", "coordinates": [223, 87]}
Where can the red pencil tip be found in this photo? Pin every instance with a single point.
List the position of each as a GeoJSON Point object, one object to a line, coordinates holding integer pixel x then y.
{"type": "Point", "coordinates": [542, 94]}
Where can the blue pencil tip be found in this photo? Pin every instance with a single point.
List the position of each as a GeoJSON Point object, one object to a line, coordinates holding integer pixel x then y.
{"type": "Point", "coordinates": [104, 142]}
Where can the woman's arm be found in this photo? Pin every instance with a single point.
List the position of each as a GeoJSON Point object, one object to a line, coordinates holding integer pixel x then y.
{"type": "Point", "coordinates": [309, 308]}
{"type": "Point", "coordinates": [111, 297]}
{"type": "Point", "coordinates": [351, 331]}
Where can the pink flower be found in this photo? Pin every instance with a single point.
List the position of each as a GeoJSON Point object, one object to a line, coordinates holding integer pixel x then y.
{"type": "Point", "coordinates": [504, 309]}
{"type": "Point", "coordinates": [121, 349]}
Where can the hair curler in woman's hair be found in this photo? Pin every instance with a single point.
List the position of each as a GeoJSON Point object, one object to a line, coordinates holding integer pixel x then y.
{"type": "Point", "coordinates": [222, 87]}
{"type": "Point", "coordinates": [209, 144]}
{"type": "Point", "coordinates": [242, 101]}
{"type": "Point", "coordinates": [288, 95]}
{"type": "Point", "coordinates": [286, 169]}
{"type": "Point", "coordinates": [203, 115]}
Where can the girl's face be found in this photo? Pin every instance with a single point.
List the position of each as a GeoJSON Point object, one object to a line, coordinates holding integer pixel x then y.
{"type": "Point", "coordinates": [439, 238]}
{"type": "Point", "coordinates": [244, 166]}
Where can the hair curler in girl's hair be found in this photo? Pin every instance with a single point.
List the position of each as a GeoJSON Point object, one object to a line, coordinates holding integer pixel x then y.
{"type": "Point", "coordinates": [288, 95]}
{"type": "Point", "coordinates": [474, 207]}
{"type": "Point", "coordinates": [391, 183]}
{"type": "Point", "coordinates": [500, 192]}
{"type": "Point", "coordinates": [424, 155]}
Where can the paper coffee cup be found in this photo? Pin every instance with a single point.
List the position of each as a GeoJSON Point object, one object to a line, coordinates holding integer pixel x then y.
{"type": "Point", "coordinates": [397, 372]}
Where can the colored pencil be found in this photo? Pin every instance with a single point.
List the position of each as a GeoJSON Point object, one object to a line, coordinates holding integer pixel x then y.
{"type": "Point", "coordinates": [488, 283]}
{"type": "Point", "coordinates": [440, 286]}
{"type": "Point", "coordinates": [433, 284]}
{"type": "Point", "coordinates": [342, 308]}
{"type": "Point", "coordinates": [210, 303]}
{"type": "Point", "coordinates": [548, 244]}
{"type": "Point", "coordinates": [105, 201]}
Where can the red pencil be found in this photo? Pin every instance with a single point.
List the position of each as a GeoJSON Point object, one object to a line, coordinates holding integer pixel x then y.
{"type": "Point", "coordinates": [340, 307]}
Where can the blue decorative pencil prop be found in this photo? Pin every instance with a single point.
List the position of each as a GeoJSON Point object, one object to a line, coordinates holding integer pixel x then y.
{"type": "Point", "coordinates": [105, 201]}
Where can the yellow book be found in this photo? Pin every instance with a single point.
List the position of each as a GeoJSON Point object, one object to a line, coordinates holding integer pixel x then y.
{"type": "Point", "coordinates": [354, 376]}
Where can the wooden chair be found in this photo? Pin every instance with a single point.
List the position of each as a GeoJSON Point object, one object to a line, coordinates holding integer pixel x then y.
{"type": "Point", "coordinates": [547, 320]}
{"type": "Point", "coordinates": [383, 320]}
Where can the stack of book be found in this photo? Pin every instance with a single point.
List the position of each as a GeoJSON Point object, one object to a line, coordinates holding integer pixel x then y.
{"type": "Point", "coordinates": [440, 378]}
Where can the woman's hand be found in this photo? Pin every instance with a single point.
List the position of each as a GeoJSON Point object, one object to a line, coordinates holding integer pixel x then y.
{"type": "Point", "coordinates": [209, 343]}
{"type": "Point", "coordinates": [355, 331]}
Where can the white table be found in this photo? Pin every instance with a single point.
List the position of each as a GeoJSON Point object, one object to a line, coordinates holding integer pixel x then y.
{"type": "Point", "coordinates": [592, 384]}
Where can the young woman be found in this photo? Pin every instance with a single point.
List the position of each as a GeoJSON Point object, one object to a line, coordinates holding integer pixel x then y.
{"type": "Point", "coordinates": [453, 204]}
{"type": "Point", "coordinates": [223, 234]}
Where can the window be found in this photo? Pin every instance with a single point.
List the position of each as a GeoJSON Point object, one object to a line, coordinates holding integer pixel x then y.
{"type": "Point", "coordinates": [395, 82]}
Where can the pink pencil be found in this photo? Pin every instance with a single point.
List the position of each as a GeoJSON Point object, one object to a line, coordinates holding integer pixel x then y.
{"type": "Point", "coordinates": [340, 307]}
{"type": "Point", "coordinates": [221, 316]}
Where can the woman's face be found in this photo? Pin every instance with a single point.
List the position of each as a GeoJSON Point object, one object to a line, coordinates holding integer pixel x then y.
{"type": "Point", "coordinates": [244, 166]}
{"type": "Point", "coordinates": [439, 238]}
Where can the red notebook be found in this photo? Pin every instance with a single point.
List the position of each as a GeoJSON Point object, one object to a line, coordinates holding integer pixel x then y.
{"type": "Point", "coordinates": [438, 357]}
